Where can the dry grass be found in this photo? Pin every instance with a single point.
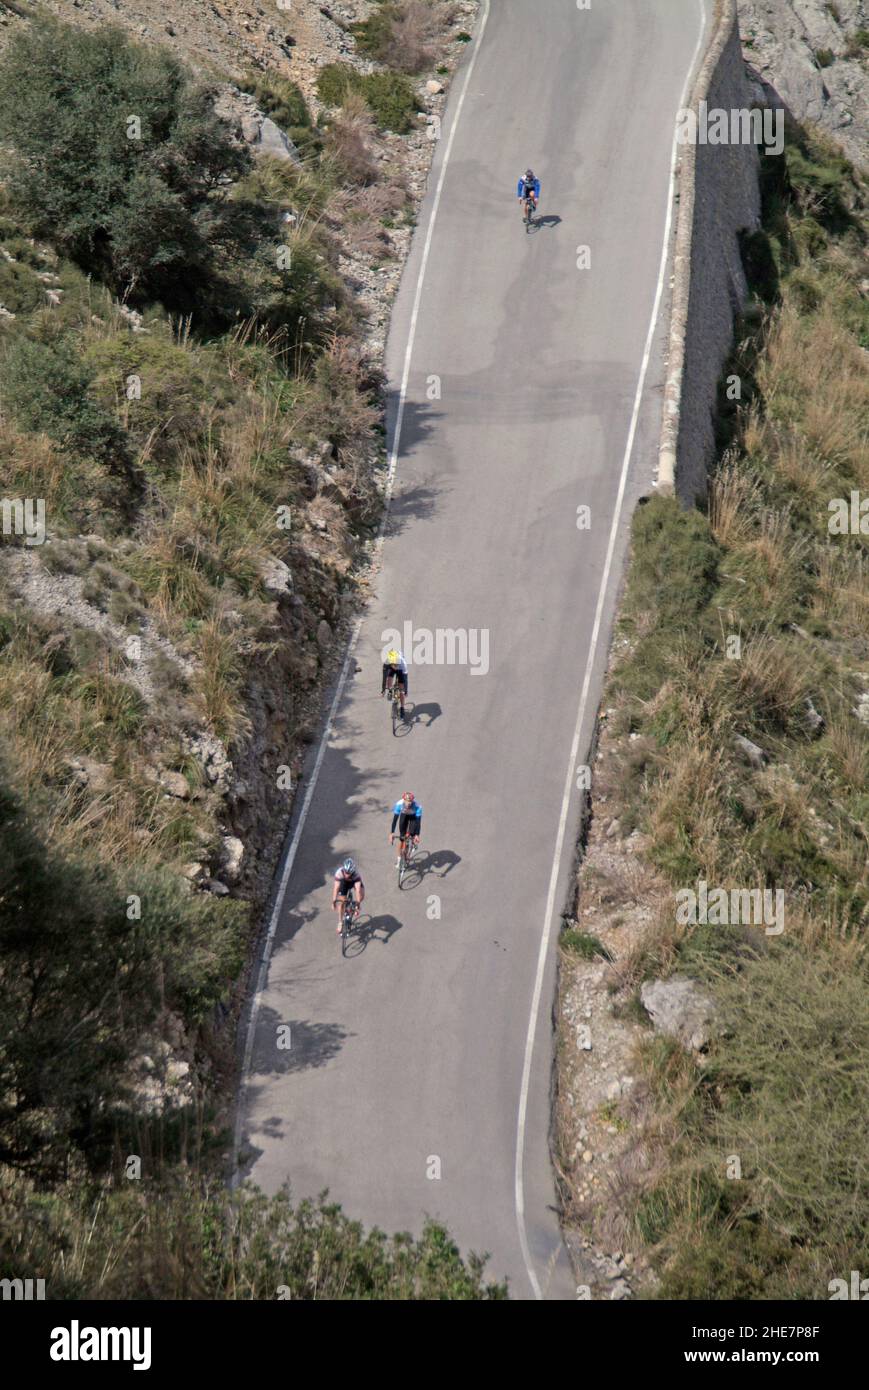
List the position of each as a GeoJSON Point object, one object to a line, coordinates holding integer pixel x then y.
{"type": "Point", "coordinates": [350, 141]}
{"type": "Point", "coordinates": [772, 678]}
{"type": "Point", "coordinates": [413, 40]}
{"type": "Point", "coordinates": [734, 498]}
{"type": "Point", "coordinates": [841, 594]}
{"type": "Point", "coordinates": [813, 371]}
{"type": "Point", "coordinates": [848, 742]}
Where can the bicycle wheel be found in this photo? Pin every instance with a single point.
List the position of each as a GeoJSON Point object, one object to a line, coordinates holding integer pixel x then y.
{"type": "Point", "coordinates": [396, 712]}
{"type": "Point", "coordinates": [406, 858]}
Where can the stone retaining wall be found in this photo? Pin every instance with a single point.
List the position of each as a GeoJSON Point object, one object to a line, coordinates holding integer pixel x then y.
{"type": "Point", "coordinates": [718, 197]}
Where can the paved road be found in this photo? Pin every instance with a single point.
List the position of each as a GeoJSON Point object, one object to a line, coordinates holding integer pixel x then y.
{"type": "Point", "coordinates": [408, 1059]}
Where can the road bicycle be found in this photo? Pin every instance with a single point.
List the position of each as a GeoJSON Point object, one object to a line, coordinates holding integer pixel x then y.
{"type": "Point", "coordinates": [529, 213]}
{"type": "Point", "coordinates": [349, 914]}
{"type": "Point", "coordinates": [405, 855]}
{"type": "Point", "coordinates": [393, 694]}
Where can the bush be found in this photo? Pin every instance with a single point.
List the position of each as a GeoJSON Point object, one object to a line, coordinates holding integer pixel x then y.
{"type": "Point", "coordinates": [349, 137]}
{"type": "Point", "coordinates": [149, 215]}
{"type": "Point", "coordinates": [176, 389]}
{"type": "Point", "coordinates": [374, 35]}
{"type": "Point", "coordinates": [182, 1238]}
{"type": "Point", "coordinates": [389, 95]}
{"type": "Point", "coordinates": [392, 100]}
{"type": "Point", "coordinates": [583, 944]}
{"type": "Point", "coordinates": [675, 560]}
{"type": "Point", "coordinates": [21, 290]}
{"type": "Point", "coordinates": [65, 927]}
{"type": "Point", "coordinates": [47, 387]}
{"type": "Point", "coordinates": [334, 81]}
{"type": "Point", "coordinates": [402, 36]}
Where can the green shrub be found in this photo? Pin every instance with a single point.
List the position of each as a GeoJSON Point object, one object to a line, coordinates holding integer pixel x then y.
{"type": "Point", "coordinates": [46, 387]}
{"type": "Point", "coordinates": [62, 924]}
{"type": "Point", "coordinates": [148, 215]}
{"type": "Point", "coordinates": [675, 560]}
{"type": "Point", "coordinates": [178, 1236]}
{"type": "Point", "coordinates": [177, 385]}
{"type": "Point", "coordinates": [392, 100]}
{"type": "Point", "coordinates": [335, 80]}
{"type": "Point", "coordinates": [21, 290]}
{"type": "Point", "coordinates": [390, 95]}
{"type": "Point", "coordinates": [583, 944]}
{"type": "Point", "coordinates": [374, 35]}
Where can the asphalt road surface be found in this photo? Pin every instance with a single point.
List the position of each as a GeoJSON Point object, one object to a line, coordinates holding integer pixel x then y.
{"type": "Point", "coordinates": [418, 1079]}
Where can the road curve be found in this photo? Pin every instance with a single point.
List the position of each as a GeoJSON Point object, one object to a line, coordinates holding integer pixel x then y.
{"type": "Point", "coordinates": [418, 1080]}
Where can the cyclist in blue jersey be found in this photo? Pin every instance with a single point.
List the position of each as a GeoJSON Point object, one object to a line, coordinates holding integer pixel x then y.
{"type": "Point", "coordinates": [529, 187]}
{"type": "Point", "coordinates": [407, 815]}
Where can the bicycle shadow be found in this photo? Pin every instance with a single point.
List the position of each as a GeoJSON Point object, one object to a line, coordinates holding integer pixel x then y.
{"type": "Point", "coordinates": [550, 220]}
{"type": "Point", "coordinates": [382, 929]}
{"type": "Point", "coordinates": [442, 862]}
{"type": "Point", "coordinates": [438, 862]}
{"type": "Point", "coordinates": [433, 711]}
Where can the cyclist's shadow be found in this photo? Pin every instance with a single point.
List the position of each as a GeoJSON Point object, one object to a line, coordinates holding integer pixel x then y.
{"type": "Point", "coordinates": [550, 220]}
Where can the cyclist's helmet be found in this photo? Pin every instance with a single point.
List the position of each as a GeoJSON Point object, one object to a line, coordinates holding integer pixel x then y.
{"type": "Point", "coordinates": [349, 866]}
{"type": "Point", "coordinates": [529, 175]}
{"type": "Point", "coordinates": [408, 796]}
{"type": "Point", "coordinates": [392, 657]}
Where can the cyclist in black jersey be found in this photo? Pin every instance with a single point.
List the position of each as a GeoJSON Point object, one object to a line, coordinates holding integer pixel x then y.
{"type": "Point", "coordinates": [347, 881]}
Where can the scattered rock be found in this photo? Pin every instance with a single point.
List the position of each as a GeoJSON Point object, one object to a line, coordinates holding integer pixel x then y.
{"type": "Point", "coordinates": [95, 776]}
{"type": "Point", "coordinates": [276, 576]}
{"type": "Point", "coordinates": [210, 753]}
{"type": "Point", "coordinates": [214, 885]}
{"type": "Point", "coordinates": [679, 1009]}
{"type": "Point", "coordinates": [232, 854]}
{"type": "Point", "coordinates": [175, 783]}
{"type": "Point", "coordinates": [755, 755]}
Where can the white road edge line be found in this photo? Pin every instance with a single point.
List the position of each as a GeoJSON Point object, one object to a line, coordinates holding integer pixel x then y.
{"type": "Point", "coordinates": [357, 628]}
{"type": "Point", "coordinates": [583, 700]}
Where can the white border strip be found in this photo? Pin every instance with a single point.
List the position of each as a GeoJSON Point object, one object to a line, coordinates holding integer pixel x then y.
{"type": "Point", "coordinates": [277, 908]}
{"type": "Point", "coordinates": [583, 701]}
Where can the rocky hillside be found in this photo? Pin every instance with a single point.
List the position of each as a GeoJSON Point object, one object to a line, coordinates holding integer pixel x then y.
{"type": "Point", "coordinates": [208, 446]}
{"type": "Point", "coordinates": [812, 57]}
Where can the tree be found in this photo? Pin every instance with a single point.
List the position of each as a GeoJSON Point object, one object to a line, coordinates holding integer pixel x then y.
{"type": "Point", "coordinates": [118, 160]}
